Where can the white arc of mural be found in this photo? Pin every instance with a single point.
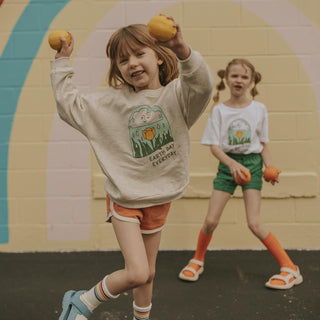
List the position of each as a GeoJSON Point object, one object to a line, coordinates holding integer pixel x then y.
{"type": "Point", "coordinates": [68, 165]}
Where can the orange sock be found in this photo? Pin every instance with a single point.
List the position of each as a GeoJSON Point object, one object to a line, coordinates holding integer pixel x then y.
{"type": "Point", "coordinates": [202, 245]}
{"type": "Point", "coordinates": [275, 248]}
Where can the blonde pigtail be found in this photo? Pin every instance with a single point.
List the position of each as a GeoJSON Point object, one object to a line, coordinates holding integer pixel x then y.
{"type": "Point", "coordinates": [257, 79]}
{"type": "Point", "coordinates": [220, 86]}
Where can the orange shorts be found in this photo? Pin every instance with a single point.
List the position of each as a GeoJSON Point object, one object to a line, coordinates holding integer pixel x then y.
{"type": "Point", "coordinates": [151, 219]}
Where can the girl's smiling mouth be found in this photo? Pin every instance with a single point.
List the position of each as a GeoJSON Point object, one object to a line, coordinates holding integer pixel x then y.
{"type": "Point", "coordinates": [136, 73]}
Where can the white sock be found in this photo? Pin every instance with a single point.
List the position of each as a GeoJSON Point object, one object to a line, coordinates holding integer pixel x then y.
{"type": "Point", "coordinates": [141, 313]}
{"type": "Point", "coordinates": [95, 296]}
{"type": "Point", "coordinates": [90, 300]}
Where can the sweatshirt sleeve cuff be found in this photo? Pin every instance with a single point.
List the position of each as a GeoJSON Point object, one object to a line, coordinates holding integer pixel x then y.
{"type": "Point", "coordinates": [191, 63]}
{"type": "Point", "coordinates": [60, 63]}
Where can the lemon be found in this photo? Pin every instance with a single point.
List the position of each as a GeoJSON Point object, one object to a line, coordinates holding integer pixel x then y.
{"type": "Point", "coordinates": [54, 39]}
{"type": "Point", "coordinates": [162, 28]}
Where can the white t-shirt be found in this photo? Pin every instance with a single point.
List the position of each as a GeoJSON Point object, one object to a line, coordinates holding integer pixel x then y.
{"type": "Point", "coordinates": [239, 131]}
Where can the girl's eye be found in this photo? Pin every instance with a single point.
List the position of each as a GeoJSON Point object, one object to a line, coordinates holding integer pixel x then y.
{"type": "Point", "coordinates": [123, 60]}
{"type": "Point", "coordinates": [140, 53]}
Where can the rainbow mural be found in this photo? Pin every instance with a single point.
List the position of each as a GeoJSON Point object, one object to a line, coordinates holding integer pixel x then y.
{"type": "Point", "coordinates": [15, 63]}
{"type": "Point", "coordinates": [67, 170]}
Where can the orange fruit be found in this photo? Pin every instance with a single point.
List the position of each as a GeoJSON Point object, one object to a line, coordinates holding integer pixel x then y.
{"type": "Point", "coordinates": [161, 28]}
{"type": "Point", "coordinates": [270, 173]}
{"type": "Point", "coordinates": [54, 39]}
{"type": "Point", "coordinates": [243, 179]}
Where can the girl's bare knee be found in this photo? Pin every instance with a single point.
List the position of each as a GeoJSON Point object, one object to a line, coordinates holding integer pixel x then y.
{"type": "Point", "coordinates": [152, 274]}
{"type": "Point", "coordinates": [210, 225]}
{"type": "Point", "coordinates": [137, 277]}
{"type": "Point", "coordinates": [255, 228]}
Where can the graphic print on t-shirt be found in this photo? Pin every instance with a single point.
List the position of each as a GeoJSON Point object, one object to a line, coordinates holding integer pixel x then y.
{"type": "Point", "coordinates": [149, 130]}
{"type": "Point", "coordinates": [239, 132]}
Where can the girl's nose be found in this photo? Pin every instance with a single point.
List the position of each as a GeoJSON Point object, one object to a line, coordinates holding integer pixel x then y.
{"type": "Point", "coordinates": [132, 61]}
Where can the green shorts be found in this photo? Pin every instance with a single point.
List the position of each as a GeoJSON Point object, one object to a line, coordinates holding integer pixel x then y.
{"type": "Point", "coordinates": [224, 180]}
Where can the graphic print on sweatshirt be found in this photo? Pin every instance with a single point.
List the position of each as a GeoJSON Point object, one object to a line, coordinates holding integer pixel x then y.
{"type": "Point", "coordinates": [150, 132]}
{"type": "Point", "coordinates": [239, 132]}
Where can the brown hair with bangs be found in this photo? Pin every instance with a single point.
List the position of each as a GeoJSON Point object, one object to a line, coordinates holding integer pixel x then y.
{"type": "Point", "coordinates": [130, 38]}
{"type": "Point", "coordinates": [256, 77]}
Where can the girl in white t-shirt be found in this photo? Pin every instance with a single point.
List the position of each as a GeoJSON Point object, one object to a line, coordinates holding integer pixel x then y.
{"type": "Point", "coordinates": [237, 133]}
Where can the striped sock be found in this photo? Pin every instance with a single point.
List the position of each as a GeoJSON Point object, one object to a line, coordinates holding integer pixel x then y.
{"type": "Point", "coordinates": [99, 293]}
{"type": "Point", "coordinates": [141, 313]}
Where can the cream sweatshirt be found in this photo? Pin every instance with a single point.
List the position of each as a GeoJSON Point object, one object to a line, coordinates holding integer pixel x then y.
{"type": "Point", "coordinates": [141, 140]}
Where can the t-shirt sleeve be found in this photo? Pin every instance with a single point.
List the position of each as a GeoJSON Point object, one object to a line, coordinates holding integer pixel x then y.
{"type": "Point", "coordinates": [211, 135]}
{"type": "Point", "coordinates": [264, 133]}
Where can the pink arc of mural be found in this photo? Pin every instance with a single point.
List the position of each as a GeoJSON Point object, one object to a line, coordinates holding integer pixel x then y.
{"type": "Point", "coordinates": [68, 169]}
{"type": "Point", "coordinates": [304, 41]}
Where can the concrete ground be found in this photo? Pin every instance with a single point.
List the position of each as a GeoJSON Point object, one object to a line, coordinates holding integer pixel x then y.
{"type": "Point", "coordinates": [232, 287]}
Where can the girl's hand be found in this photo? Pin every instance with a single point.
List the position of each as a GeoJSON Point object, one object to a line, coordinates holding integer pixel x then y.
{"type": "Point", "coordinates": [177, 44]}
{"type": "Point", "coordinates": [66, 50]}
{"type": "Point", "coordinates": [274, 181]}
{"type": "Point", "coordinates": [236, 169]}
{"type": "Point", "coordinates": [271, 174]}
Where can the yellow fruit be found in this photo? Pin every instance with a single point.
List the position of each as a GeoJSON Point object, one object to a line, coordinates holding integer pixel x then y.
{"type": "Point", "coordinates": [162, 28]}
{"type": "Point", "coordinates": [54, 39]}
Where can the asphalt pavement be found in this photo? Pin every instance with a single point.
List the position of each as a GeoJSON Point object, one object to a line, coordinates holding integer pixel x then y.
{"type": "Point", "coordinates": [231, 288]}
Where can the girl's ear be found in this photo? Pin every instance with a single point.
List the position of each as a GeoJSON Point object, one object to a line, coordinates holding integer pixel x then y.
{"type": "Point", "coordinates": [160, 61]}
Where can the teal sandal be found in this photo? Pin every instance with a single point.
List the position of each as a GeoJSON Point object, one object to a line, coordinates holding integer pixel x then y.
{"type": "Point", "coordinates": [73, 306]}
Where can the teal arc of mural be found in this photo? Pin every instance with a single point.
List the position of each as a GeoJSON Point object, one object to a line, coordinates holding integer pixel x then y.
{"type": "Point", "coordinates": [15, 62]}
